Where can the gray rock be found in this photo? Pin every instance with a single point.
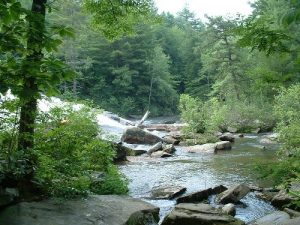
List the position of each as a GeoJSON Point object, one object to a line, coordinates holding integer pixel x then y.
{"type": "Point", "coordinates": [169, 149]}
{"type": "Point", "coordinates": [171, 140]}
{"type": "Point", "coordinates": [98, 210]}
{"type": "Point", "coordinates": [233, 194]}
{"type": "Point", "coordinates": [281, 199]}
{"type": "Point", "coordinates": [137, 152]}
{"type": "Point", "coordinates": [266, 141]}
{"type": "Point", "coordinates": [202, 195]}
{"type": "Point", "coordinates": [223, 145]}
{"type": "Point", "coordinates": [205, 148]}
{"type": "Point", "coordinates": [292, 212]}
{"type": "Point", "coordinates": [276, 218]}
{"type": "Point", "coordinates": [192, 214]}
{"type": "Point", "coordinates": [295, 221]}
{"type": "Point", "coordinates": [135, 135]}
{"type": "Point", "coordinates": [160, 154]}
{"type": "Point", "coordinates": [227, 137]}
{"type": "Point", "coordinates": [232, 129]}
{"type": "Point", "coordinates": [229, 209]}
{"type": "Point", "coordinates": [157, 147]}
{"type": "Point", "coordinates": [167, 192]}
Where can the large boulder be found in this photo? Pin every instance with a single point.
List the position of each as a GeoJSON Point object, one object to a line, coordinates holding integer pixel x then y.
{"type": "Point", "coordinates": [275, 218]}
{"type": "Point", "coordinates": [98, 210]}
{"type": "Point", "coordinates": [200, 214]}
{"type": "Point", "coordinates": [233, 194]}
{"type": "Point", "coordinates": [135, 135]}
{"type": "Point", "coordinates": [167, 192]}
{"type": "Point", "coordinates": [202, 195]}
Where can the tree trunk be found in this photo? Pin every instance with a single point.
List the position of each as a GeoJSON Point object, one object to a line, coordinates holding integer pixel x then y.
{"type": "Point", "coordinates": [30, 92]}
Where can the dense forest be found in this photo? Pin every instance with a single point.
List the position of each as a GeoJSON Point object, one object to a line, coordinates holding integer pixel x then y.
{"type": "Point", "coordinates": [238, 73]}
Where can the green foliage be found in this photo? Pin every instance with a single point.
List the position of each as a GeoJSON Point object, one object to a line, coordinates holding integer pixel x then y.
{"type": "Point", "coordinates": [287, 169]}
{"type": "Point", "coordinates": [215, 115]}
{"type": "Point", "coordinates": [69, 154]}
{"type": "Point", "coordinates": [194, 113]}
{"type": "Point", "coordinates": [287, 110]}
{"type": "Point", "coordinates": [114, 17]}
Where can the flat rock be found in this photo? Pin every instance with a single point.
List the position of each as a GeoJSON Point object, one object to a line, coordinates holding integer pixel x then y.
{"type": "Point", "coordinates": [233, 194]}
{"type": "Point", "coordinates": [205, 148]}
{"type": "Point", "coordinates": [135, 135]}
{"type": "Point", "coordinates": [97, 210]}
{"type": "Point", "coordinates": [202, 195]}
{"type": "Point", "coordinates": [276, 218]}
{"type": "Point", "coordinates": [160, 154]}
{"type": "Point", "coordinates": [167, 192]}
{"type": "Point", "coordinates": [192, 214]}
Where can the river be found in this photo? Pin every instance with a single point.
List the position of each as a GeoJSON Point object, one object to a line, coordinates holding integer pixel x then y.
{"type": "Point", "coordinates": [200, 171]}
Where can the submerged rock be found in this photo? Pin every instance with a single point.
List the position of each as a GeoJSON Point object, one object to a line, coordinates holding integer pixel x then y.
{"type": "Point", "coordinates": [135, 135]}
{"type": "Point", "coordinates": [233, 194]}
{"type": "Point", "coordinates": [192, 214]}
{"type": "Point", "coordinates": [167, 192]}
{"type": "Point", "coordinates": [98, 210]}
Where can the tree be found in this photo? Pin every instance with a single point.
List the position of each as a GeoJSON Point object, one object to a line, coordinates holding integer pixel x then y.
{"type": "Point", "coordinates": [28, 67]}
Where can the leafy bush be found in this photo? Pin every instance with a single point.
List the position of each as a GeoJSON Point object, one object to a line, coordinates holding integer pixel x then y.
{"type": "Point", "coordinates": [214, 115]}
{"type": "Point", "coordinates": [287, 169]}
{"type": "Point", "coordinates": [69, 152]}
{"type": "Point", "coordinates": [194, 113]}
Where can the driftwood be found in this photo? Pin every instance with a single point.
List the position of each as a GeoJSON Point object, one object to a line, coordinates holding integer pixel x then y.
{"type": "Point", "coordinates": [140, 123]}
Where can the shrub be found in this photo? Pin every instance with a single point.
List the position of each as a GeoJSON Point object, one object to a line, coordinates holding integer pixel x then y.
{"type": "Point", "coordinates": [194, 113]}
{"type": "Point", "coordinates": [69, 152]}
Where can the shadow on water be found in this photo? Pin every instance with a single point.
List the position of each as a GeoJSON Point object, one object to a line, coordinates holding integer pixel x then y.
{"type": "Point", "coordinates": [200, 171]}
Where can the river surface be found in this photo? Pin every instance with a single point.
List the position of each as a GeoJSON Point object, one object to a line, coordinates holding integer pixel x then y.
{"type": "Point", "coordinates": [200, 171]}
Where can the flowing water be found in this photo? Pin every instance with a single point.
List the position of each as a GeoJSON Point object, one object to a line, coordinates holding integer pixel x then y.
{"type": "Point", "coordinates": [200, 171]}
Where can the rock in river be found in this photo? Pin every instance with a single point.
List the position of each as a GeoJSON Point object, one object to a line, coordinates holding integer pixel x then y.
{"type": "Point", "coordinates": [167, 192]}
{"type": "Point", "coordinates": [227, 137]}
{"type": "Point", "coordinates": [198, 214]}
{"type": "Point", "coordinates": [135, 135]}
{"type": "Point", "coordinates": [233, 194]}
{"type": "Point", "coordinates": [202, 195]}
{"type": "Point", "coordinates": [98, 210]}
{"type": "Point", "coordinates": [229, 209]}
